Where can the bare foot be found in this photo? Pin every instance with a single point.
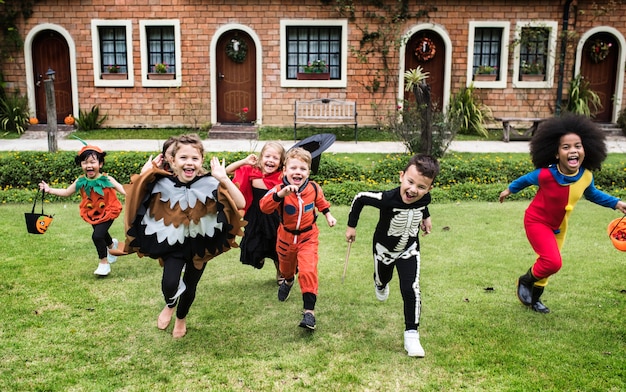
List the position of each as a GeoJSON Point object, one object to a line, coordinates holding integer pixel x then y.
{"type": "Point", "coordinates": [180, 328]}
{"type": "Point", "coordinates": [165, 317]}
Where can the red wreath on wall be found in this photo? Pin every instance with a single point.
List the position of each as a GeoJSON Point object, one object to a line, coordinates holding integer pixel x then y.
{"type": "Point", "coordinates": [425, 49]}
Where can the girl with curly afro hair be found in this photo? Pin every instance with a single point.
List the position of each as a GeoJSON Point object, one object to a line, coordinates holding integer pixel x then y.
{"type": "Point", "coordinates": [564, 150]}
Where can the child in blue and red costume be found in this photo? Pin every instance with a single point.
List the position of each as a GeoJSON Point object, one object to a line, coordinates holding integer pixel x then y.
{"type": "Point", "coordinates": [564, 152]}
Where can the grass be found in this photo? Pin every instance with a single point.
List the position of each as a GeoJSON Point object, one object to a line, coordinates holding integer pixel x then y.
{"type": "Point", "coordinates": [63, 329]}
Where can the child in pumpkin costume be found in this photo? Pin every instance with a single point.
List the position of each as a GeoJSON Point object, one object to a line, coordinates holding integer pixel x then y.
{"type": "Point", "coordinates": [99, 205]}
{"type": "Point", "coordinates": [183, 218]}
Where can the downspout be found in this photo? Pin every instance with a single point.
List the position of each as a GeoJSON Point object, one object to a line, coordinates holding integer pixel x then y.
{"type": "Point", "coordinates": [559, 89]}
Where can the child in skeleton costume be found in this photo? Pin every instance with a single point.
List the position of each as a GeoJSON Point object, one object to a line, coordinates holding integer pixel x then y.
{"type": "Point", "coordinates": [403, 211]}
{"type": "Point", "coordinates": [184, 219]}
{"type": "Point", "coordinates": [296, 200]}
{"type": "Point", "coordinates": [564, 152]}
{"type": "Point", "coordinates": [99, 205]}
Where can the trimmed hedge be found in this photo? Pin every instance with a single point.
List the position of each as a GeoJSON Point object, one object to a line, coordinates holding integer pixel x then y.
{"type": "Point", "coordinates": [463, 177]}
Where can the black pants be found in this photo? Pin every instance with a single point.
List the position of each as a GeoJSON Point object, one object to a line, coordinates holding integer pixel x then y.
{"type": "Point", "coordinates": [173, 264]}
{"type": "Point", "coordinates": [101, 237]}
{"type": "Point", "coordinates": [407, 263]}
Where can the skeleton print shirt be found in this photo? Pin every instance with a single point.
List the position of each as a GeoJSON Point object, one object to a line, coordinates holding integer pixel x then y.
{"type": "Point", "coordinates": [398, 224]}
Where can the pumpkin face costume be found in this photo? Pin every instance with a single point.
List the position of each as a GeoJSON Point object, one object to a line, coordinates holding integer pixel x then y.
{"type": "Point", "coordinates": [99, 200]}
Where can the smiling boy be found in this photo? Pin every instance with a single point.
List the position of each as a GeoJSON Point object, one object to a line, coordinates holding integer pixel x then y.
{"type": "Point", "coordinates": [403, 211]}
{"type": "Point", "coordinates": [296, 200]}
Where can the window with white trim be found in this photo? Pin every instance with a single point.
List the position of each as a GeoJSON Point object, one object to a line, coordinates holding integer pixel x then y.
{"type": "Point", "coordinates": [534, 48]}
{"type": "Point", "coordinates": [112, 52]}
{"type": "Point", "coordinates": [307, 42]}
{"type": "Point", "coordinates": [160, 53]}
{"type": "Point", "coordinates": [487, 54]}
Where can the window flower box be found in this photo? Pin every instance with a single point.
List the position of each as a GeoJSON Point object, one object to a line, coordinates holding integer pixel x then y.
{"type": "Point", "coordinates": [161, 76]}
{"type": "Point", "coordinates": [114, 76]}
{"type": "Point", "coordinates": [313, 76]}
{"type": "Point", "coordinates": [485, 77]}
{"type": "Point", "coordinates": [533, 77]}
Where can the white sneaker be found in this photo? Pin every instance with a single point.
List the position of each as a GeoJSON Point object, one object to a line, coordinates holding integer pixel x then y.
{"type": "Point", "coordinates": [412, 344]}
{"type": "Point", "coordinates": [381, 294]}
{"type": "Point", "coordinates": [103, 269]}
{"type": "Point", "coordinates": [110, 258]}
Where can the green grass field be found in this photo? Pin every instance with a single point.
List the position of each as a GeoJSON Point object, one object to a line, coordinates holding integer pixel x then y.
{"type": "Point", "coordinates": [63, 329]}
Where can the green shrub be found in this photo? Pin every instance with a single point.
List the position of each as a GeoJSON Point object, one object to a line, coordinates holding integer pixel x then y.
{"type": "Point", "coordinates": [14, 113]}
{"type": "Point", "coordinates": [88, 121]}
{"type": "Point", "coordinates": [463, 176]}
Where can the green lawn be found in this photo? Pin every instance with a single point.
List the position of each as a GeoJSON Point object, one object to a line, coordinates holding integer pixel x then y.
{"type": "Point", "coordinates": [65, 330]}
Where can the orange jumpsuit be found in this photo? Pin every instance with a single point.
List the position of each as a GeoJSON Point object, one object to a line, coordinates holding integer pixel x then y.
{"type": "Point", "coordinates": [297, 233]}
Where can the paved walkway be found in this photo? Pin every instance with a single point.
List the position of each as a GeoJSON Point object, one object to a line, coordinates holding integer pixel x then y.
{"type": "Point", "coordinates": [614, 144]}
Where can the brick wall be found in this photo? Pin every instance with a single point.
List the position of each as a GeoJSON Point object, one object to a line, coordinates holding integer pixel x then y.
{"type": "Point", "coordinates": [190, 103]}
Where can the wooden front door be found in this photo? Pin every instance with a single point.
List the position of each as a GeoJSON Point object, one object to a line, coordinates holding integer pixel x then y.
{"type": "Point", "coordinates": [430, 41]}
{"type": "Point", "coordinates": [601, 74]}
{"type": "Point", "coordinates": [50, 51]}
{"type": "Point", "coordinates": [236, 81]}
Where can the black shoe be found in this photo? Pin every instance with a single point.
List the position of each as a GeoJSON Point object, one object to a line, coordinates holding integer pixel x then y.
{"type": "Point", "coordinates": [537, 305]}
{"type": "Point", "coordinates": [525, 285]}
{"type": "Point", "coordinates": [308, 321]}
{"type": "Point", "coordinates": [284, 290]}
{"type": "Point", "coordinates": [540, 307]}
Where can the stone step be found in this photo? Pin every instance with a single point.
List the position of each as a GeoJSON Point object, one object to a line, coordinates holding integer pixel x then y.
{"type": "Point", "coordinates": [233, 132]}
{"type": "Point", "coordinates": [40, 131]}
{"type": "Point", "coordinates": [611, 129]}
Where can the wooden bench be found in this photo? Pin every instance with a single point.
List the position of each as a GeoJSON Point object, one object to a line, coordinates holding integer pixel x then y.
{"type": "Point", "coordinates": [509, 132]}
{"type": "Point", "coordinates": [325, 112]}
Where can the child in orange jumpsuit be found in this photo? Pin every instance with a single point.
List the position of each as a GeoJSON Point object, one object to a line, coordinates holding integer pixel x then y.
{"type": "Point", "coordinates": [296, 200]}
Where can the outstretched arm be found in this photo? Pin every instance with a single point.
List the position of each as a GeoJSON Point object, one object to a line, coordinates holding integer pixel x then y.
{"type": "Point", "coordinates": [69, 191]}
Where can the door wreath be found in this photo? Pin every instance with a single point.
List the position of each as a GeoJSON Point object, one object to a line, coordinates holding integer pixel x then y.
{"type": "Point", "coordinates": [425, 49]}
{"type": "Point", "coordinates": [599, 50]}
{"type": "Point", "coordinates": [237, 49]}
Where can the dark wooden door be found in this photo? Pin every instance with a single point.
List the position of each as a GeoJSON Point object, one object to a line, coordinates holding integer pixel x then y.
{"type": "Point", "coordinates": [434, 65]}
{"type": "Point", "coordinates": [236, 81]}
{"type": "Point", "coordinates": [602, 74]}
{"type": "Point", "coordinates": [50, 51]}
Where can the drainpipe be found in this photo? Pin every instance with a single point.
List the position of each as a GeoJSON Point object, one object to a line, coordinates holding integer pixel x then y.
{"type": "Point", "coordinates": [559, 89]}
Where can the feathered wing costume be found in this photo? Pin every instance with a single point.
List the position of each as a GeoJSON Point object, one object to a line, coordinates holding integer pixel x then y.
{"type": "Point", "coordinates": [163, 215]}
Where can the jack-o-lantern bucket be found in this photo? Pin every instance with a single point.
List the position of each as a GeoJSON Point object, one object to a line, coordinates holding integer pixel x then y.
{"type": "Point", "coordinates": [37, 223]}
{"type": "Point", "coordinates": [617, 233]}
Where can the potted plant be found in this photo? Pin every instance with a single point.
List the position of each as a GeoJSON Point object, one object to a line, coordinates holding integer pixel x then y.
{"type": "Point", "coordinates": [314, 70]}
{"type": "Point", "coordinates": [113, 73]}
{"type": "Point", "coordinates": [486, 73]}
{"type": "Point", "coordinates": [532, 71]}
{"type": "Point", "coordinates": [161, 72]}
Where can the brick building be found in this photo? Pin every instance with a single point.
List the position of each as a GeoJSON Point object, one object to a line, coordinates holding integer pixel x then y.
{"type": "Point", "coordinates": [222, 56]}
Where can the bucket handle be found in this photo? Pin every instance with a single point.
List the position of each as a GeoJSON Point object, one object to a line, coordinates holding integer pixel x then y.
{"type": "Point", "coordinates": [617, 224]}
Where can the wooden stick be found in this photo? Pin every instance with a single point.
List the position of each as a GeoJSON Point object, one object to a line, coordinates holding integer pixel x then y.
{"type": "Point", "coordinates": [345, 264]}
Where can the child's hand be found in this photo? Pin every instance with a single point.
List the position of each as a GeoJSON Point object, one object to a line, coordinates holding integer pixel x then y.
{"type": "Point", "coordinates": [427, 226]}
{"type": "Point", "coordinates": [287, 189]}
{"type": "Point", "coordinates": [350, 234]}
{"type": "Point", "coordinates": [218, 170]}
{"type": "Point", "coordinates": [621, 206]}
{"type": "Point", "coordinates": [251, 160]}
{"type": "Point", "coordinates": [331, 220]}
{"type": "Point", "coordinates": [504, 194]}
{"type": "Point", "coordinates": [44, 187]}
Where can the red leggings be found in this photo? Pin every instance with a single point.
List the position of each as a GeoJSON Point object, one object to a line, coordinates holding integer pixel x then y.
{"type": "Point", "coordinates": [547, 245]}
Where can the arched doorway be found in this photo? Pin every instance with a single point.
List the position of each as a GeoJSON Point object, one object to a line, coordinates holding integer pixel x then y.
{"type": "Point", "coordinates": [50, 50]}
{"type": "Point", "coordinates": [235, 77]}
{"type": "Point", "coordinates": [600, 70]}
{"type": "Point", "coordinates": [427, 49]}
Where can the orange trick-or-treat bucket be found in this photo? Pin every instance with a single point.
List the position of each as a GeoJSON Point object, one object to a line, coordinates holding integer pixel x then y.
{"type": "Point", "coordinates": [617, 233]}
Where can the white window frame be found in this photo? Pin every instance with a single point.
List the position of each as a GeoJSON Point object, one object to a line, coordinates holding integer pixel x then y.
{"type": "Point", "coordinates": [97, 60]}
{"type": "Point", "coordinates": [143, 42]}
{"type": "Point", "coordinates": [504, 52]}
{"type": "Point", "coordinates": [551, 56]}
{"type": "Point", "coordinates": [335, 83]}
